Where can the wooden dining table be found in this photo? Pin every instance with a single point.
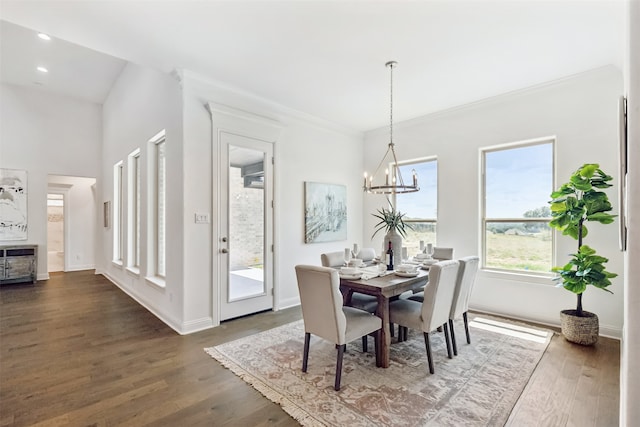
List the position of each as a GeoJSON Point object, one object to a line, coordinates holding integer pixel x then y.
{"type": "Point", "coordinates": [384, 288]}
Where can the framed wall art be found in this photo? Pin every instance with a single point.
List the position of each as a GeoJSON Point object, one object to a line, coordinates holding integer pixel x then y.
{"type": "Point", "coordinates": [325, 212]}
{"type": "Point", "coordinates": [13, 204]}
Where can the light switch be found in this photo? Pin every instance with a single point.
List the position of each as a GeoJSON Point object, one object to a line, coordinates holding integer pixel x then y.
{"type": "Point", "coordinates": [202, 218]}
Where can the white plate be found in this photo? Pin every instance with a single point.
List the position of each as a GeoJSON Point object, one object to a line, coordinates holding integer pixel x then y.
{"type": "Point", "coordinates": [425, 267]}
{"type": "Point", "coordinates": [404, 274]}
{"type": "Point", "coordinates": [350, 276]}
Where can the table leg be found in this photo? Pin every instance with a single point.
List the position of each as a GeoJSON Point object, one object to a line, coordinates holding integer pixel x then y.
{"type": "Point", "coordinates": [382, 359]}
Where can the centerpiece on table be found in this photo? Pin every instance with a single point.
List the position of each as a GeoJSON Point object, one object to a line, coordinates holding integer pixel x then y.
{"type": "Point", "coordinates": [392, 222]}
{"type": "Point", "coordinates": [575, 203]}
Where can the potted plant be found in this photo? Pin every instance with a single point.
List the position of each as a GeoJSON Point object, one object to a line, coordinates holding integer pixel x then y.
{"type": "Point", "coordinates": [393, 223]}
{"type": "Point", "coordinates": [576, 202]}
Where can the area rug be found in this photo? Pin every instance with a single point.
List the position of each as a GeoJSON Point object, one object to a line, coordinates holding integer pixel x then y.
{"type": "Point", "coordinates": [479, 387]}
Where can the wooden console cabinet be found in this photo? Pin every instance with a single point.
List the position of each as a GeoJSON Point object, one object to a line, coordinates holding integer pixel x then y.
{"type": "Point", "coordinates": [18, 263]}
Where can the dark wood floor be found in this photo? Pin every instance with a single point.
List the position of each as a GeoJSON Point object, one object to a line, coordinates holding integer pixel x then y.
{"type": "Point", "coordinates": [75, 350]}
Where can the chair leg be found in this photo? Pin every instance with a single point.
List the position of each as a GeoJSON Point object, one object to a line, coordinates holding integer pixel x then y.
{"type": "Point", "coordinates": [427, 343]}
{"type": "Point", "coordinates": [364, 344]}
{"type": "Point", "coordinates": [305, 354]}
{"type": "Point", "coordinates": [466, 327]}
{"type": "Point", "coordinates": [453, 338]}
{"type": "Point", "coordinates": [377, 340]}
{"type": "Point", "coordinates": [339, 366]}
{"type": "Point", "coordinates": [445, 327]}
{"type": "Point", "coordinates": [392, 329]}
{"type": "Point", "coordinates": [405, 333]}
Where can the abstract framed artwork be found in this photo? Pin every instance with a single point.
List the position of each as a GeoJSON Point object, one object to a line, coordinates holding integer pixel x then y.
{"type": "Point", "coordinates": [325, 212]}
{"type": "Point", "coordinates": [13, 204]}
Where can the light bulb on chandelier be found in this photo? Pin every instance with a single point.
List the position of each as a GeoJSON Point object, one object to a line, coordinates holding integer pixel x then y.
{"type": "Point", "coordinates": [397, 184]}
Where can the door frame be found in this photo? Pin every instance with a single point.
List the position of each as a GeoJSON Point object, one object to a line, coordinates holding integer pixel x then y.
{"type": "Point", "coordinates": [62, 189]}
{"type": "Point", "coordinates": [242, 123]}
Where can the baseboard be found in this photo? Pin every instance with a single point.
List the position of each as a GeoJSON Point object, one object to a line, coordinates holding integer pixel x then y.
{"type": "Point", "coordinates": [288, 303]}
{"type": "Point", "coordinates": [82, 267]}
{"type": "Point", "coordinates": [43, 276]}
{"type": "Point", "coordinates": [605, 330]}
{"type": "Point", "coordinates": [153, 310]}
{"type": "Point", "coordinates": [197, 325]}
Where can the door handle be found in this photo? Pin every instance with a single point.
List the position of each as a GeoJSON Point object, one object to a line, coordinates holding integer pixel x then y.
{"type": "Point", "coordinates": [224, 250]}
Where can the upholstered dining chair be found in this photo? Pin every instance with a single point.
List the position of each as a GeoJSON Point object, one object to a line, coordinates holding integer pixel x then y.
{"type": "Point", "coordinates": [362, 301]}
{"type": "Point", "coordinates": [439, 254]}
{"type": "Point", "coordinates": [442, 254]}
{"type": "Point", "coordinates": [366, 254]}
{"type": "Point", "coordinates": [460, 305]}
{"type": "Point", "coordinates": [326, 317]}
{"type": "Point", "coordinates": [434, 311]}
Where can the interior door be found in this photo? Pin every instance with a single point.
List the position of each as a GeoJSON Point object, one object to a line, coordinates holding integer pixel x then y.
{"type": "Point", "coordinates": [246, 244]}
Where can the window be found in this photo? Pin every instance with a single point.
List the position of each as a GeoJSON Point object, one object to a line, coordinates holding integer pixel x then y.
{"type": "Point", "coordinates": [133, 254]}
{"type": "Point", "coordinates": [420, 208]}
{"type": "Point", "coordinates": [160, 194]}
{"type": "Point", "coordinates": [518, 180]}
{"type": "Point", "coordinates": [118, 232]}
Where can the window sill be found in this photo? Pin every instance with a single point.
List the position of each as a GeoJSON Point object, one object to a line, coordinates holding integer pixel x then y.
{"type": "Point", "coordinates": [134, 271]}
{"type": "Point", "coordinates": [156, 281]}
{"type": "Point", "coordinates": [538, 279]}
{"type": "Point", "coordinates": [116, 263]}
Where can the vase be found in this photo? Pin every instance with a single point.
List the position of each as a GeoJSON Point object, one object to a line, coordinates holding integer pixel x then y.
{"type": "Point", "coordinates": [580, 330]}
{"type": "Point", "coordinates": [396, 244]}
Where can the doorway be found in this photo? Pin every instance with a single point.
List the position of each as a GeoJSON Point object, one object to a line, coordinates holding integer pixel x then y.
{"type": "Point", "coordinates": [55, 232]}
{"type": "Point", "coordinates": [246, 247]}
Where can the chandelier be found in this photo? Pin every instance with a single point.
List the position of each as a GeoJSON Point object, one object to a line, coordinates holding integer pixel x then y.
{"type": "Point", "coordinates": [393, 182]}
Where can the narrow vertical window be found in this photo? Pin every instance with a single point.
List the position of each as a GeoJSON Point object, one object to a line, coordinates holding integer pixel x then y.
{"type": "Point", "coordinates": [157, 177]}
{"type": "Point", "coordinates": [118, 232]}
{"type": "Point", "coordinates": [517, 182]}
{"type": "Point", "coordinates": [420, 208]}
{"type": "Point", "coordinates": [160, 205]}
{"type": "Point", "coordinates": [134, 210]}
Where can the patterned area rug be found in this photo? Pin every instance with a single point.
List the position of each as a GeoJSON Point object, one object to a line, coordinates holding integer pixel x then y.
{"type": "Point", "coordinates": [479, 387]}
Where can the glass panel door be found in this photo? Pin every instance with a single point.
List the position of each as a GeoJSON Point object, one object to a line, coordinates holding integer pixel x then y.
{"type": "Point", "coordinates": [247, 235]}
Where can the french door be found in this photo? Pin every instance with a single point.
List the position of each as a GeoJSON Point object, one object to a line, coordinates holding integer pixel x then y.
{"type": "Point", "coordinates": [245, 246]}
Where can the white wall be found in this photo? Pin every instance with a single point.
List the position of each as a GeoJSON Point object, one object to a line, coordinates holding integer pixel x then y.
{"type": "Point", "coordinates": [141, 103]}
{"type": "Point", "coordinates": [308, 150]}
{"type": "Point", "coordinates": [81, 218]}
{"type": "Point", "coordinates": [582, 113]}
{"type": "Point", "coordinates": [47, 134]}
{"type": "Point", "coordinates": [630, 363]}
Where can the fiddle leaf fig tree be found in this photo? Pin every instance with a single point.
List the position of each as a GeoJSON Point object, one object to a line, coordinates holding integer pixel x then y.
{"type": "Point", "coordinates": [576, 202]}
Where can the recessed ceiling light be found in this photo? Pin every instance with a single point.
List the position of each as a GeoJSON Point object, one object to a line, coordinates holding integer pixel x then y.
{"type": "Point", "coordinates": [43, 70]}
{"type": "Point", "coordinates": [44, 36]}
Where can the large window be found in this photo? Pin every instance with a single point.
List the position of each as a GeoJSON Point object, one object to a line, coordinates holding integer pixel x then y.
{"type": "Point", "coordinates": [420, 208]}
{"type": "Point", "coordinates": [518, 180]}
{"type": "Point", "coordinates": [133, 254]}
{"type": "Point", "coordinates": [118, 231]}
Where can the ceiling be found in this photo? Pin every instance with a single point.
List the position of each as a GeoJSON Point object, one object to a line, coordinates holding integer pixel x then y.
{"type": "Point", "coordinates": [324, 58]}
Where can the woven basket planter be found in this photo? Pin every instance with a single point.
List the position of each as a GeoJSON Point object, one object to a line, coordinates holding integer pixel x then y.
{"type": "Point", "coordinates": [580, 330]}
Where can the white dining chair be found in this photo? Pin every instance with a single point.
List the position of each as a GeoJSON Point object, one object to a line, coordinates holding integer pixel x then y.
{"type": "Point", "coordinates": [442, 254]}
{"type": "Point", "coordinates": [325, 316]}
{"type": "Point", "coordinates": [434, 311]}
{"type": "Point", "coordinates": [366, 254]}
{"type": "Point", "coordinates": [460, 305]}
{"type": "Point", "coordinates": [362, 301]}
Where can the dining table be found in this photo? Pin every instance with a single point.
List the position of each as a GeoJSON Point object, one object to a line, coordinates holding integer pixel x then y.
{"type": "Point", "coordinates": [384, 287]}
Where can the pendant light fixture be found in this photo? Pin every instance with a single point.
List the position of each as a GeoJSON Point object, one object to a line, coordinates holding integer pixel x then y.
{"type": "Point", "coordinates": [393, 182]}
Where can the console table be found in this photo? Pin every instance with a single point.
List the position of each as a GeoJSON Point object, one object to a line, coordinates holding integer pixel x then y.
{"type": "Point", "coordinates": [18, 263]}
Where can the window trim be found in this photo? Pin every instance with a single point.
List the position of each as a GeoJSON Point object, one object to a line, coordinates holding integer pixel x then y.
{"type": "Point", "coordinates": [153, 277]}
{"type": "Point", "coordinates": [483, 205]}
{"type": "Point", "coordinates": [133, 212]}
{"type": "Point", "coordinates": [118, 200]}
